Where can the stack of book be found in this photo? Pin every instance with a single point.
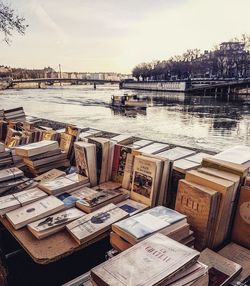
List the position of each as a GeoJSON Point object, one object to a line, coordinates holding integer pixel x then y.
{"type": "Point", "coordinates": [208, 197]}
{"type": "Point", "coordinates": [42, 156]}
{"type": "Point", "coordinates": [32, 212]}
{"type": "Point", "coordinates": [3, 129]}
{"type": "Point", "coordinates": [62, 184]}
{"type": "Point", "coordinates": [5, 156]}
{"type": "Point", "coordinates": [15, 114]}
{"type": "Point", "coordinates": [158, 260]}
{"type": "Point", "coordinates": [136, 228]}
{"type": "Point", "coordinates": [17, 200]}
{"type": "Point", "coordinates": [96, 224]}
{"type": "Point", "coordinates": [11, 178]}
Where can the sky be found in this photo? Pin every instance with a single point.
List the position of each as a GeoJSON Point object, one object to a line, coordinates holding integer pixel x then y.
{"type": "Point", "coordinates": [115, 35]}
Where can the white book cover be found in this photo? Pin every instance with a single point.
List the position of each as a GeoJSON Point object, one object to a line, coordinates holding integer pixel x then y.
{"type": "Point", "coordinates": [34, 211]}
{"type": "Point", "coordinates": [176, 153]}
{"type": "Point", "coordinates": [238, 154]}
{"type": "Point", "coordinates": [154, 148]}
{"type": "Point", "coordinates": [147, 263]}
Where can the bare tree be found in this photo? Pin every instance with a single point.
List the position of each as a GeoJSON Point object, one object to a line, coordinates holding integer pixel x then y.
{"type": "Point", "coordinates": [10, 22]}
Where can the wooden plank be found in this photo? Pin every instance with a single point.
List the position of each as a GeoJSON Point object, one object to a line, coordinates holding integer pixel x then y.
{"type": "Point", "coordinates": [50, 249]}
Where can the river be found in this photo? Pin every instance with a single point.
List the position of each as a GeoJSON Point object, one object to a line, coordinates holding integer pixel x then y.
{"type": "Point", "coordinates": [200, 122]}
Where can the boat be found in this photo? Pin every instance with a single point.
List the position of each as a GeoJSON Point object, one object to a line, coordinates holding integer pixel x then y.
{"type": "Point", "coordinates": [128, 101]}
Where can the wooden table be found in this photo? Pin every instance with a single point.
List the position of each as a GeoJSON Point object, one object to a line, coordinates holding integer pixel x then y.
{"type": "Point", "coordinates": [49, 249]}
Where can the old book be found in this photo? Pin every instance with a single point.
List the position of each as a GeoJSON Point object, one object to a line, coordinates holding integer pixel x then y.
{"type": "Point", "coordinates": [40, 162]}
{"type": "Point", "coordinates": [140, 143]}
{"type": "Point", "coordinates": [226, 188]}
{"type": "Point", "coordinates": [247, 182]}
{"type": "Point", "coordinates": [198, 157]}
{"type": "Point", "coordinates": [237, 154]}
{"type": "Point", "coordinates": [73, 130]}
{"type": "Point", "coordinates": [146, 180]}
{"type": "Point", "coordinates": [109, 185]}
{"type": "Point", "coordinates": [157, 259]}
{"type": "Point", "coordinates": [36, 148]}
{"type": "Point", "coordinates": [10, 173]}
{"type": "Point", "coordinates": [102, 154]}
{"type": "Point", "coordinates": [96, 223]}
{"type": "Point", "coordinates": [2, 147]}
{"type": "Point", "coordinates": [123, 139]}
{"type": "Point", "coordinates": [200, 205]}
{"type": "Point", "coordinates": [240, 255]}
{"type": "Point", "coordinates": [85, 156]}
{"type": "Point", "coordinates": [118, 242]}
{"type": "Point", "coordinates": [14, 201]}
{"type": "Point", "coordinates": [32, 212]}
{"type": "Point", "coordinates": [184, 165]}
{"type": "Point", "coordinates": [176, 153]}
{"type": "Point", "coordinates": [154, 148]}
{"type": "Point", "coordinates": [132, 207]}
{"type": "Point", "coordinates": [96, 199]}
{"type": "Point", "coordinates": [146, 223]}
{"type": "Point", "coordinates": [241, 227]}
{"type": "Point", "coordinates": [50, 175]}
{"type": "Point", "coordinates": [47, 167]}
{"type": "Point", "coordinates": [221, 270]}
{"type": "Point", "coordinates": [62, 184]}
{"type": "Point", "coordinates": [54, 223]}
{"type": "Point", "coordinates": [234, 168]}
{"type": "Point", "coordinates": [128, 172]}
{"type": "Point", "coordinates": [66, 143]}
{"type": "Point", "coordinates": [119, 162]}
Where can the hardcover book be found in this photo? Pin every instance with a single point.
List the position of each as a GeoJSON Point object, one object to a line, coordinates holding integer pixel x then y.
{"type": "Point", "coordinates": [10, 173]}
{"type": "Point", "coordinates": [221, 270]}
{"type": "Point", "coordinates": [176, 153]}
{"type": "Point", "coordinates": [36, 148]}
{"type": "Point", "coordinates": [200, 205]}
{"type": "Point", "coordinates": [49, 176]}
{"type": "Point", "coordinates": [241, 227]}
{"type": "Point", "coordinates": [141, 225]}
{"type": "Point", "coordinates": [146, 180]}
{"type": "Point", "coordinates": [154, 148]}
{"type": "Point", "coordinates": [85, 155]}
{"type": "Point", "coordinates": [32, 212]}
{"type": "Point", "coordinates": [119, 162]}
{"type": "Point", "coordinates": [66, 143]}
{"type": "Point", "coordinates": [155, 259]}
{"type": "Point", "coordinates": [94, 224]}
{"type": "Point", "coordinates": [54, 223]}
{"type": "Point", "coordinates": [132, 207]}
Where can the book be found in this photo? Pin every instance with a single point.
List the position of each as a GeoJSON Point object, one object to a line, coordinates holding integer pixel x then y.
{"type": "Point", "coordinates": [237, 154]}
{"type": "Point", "coordinates": [226, 189]}
{"type": "Point", "coordinates": [62, 184]}
{"type": "Point", "coordinates": [146, 223]}
{"type": "Point", "coordinates": [154, 148]}
{"type": "Point", "coordinates": [200, 204]}
{"type": "Point", "coordinates": [247, 182]}
{"type": "Point", "coordinates": [239, 255]}
{"type": "Point", "coordinates": [184, 165]}
{"type": "Point", "coordinates": [118, 242]}
{"type": "Point", "coordinates": [10, 173]}
{"type": "Point", "coordinates": [14, 201]}
{"type": "Point", "coordinates": [2, 147]}
{"type": "Point", "coordinates": [94, 224]}
{"type": "Point", "coordinates": [36, 148]}
{"type": "Point", "coordinates": [93, 200]}
{"type": "Point", "coordinates": [40, 162]}
{"type": "Point", "coordinates": [220, 269]}
{"type": "Point", "coordinates": [50, 175]}
{"type": "Point", "coordinates": [54, 223]}
{"type": "Point", "coordinates": [123, 139]}
{"type": "Point", "coordinates": [85, 156]}
{"type": "Point", "coordinates": [176, 153]}
{"type": "Point", "coordinates": [66, 143]}
{"type": "Point", "coordinates": [241, 227]}
{"type": "Point", "coordinates": [198, 157]}
{"type": "Point", "coordinates": [32, 212]}
{"type": "Point", "coordinates": [157, 259]}
{"type": "Point", "coordinates": [119, 162]}
{"type": "Point", "coordinates": [146, 179]}
{"type": "Point", "coordinates": [140, 143]}
{"type": "Point", "coordinates": [132, 207]}
{"type": "Point", "coordinates": [102, 155]}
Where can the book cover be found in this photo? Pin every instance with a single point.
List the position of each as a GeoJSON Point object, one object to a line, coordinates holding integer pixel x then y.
{"type": "Point", "coordinates": [157, 259]}
{"type": "Point", "coordinates": [36, 148]}
{"type": "Point", "coordinates": [131, 207]}
{"type": "Point", "coordinates": [149, 222]}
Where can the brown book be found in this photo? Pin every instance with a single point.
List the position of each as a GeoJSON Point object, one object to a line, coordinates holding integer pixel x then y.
{"type": "Point", "coordinates": [36, 148]}
{"type": "Point", "coordinates": [94, 224]}
{"type": "Point", "coordinates": [118, 242]}
{"type": "Point", "coordinates": [240, 255]}
{"type": "Point", "coordinates": [200, 205]}
{"type": "Point", "coordinates": [146, 180]}
{"type": "Point", "coordinates": [85, 155]}
{"type": "Point", "coordinates": [44, 161]}
{"type": "Point", "coordinates": [156, 260]}
{"type": "Point", "coordinates": [66, 143]}
{"type": "Point", "coordinates": [241, 228]}
{"type": "Point", "coordinates": [10, 173]}
{"type": "Point", "coordinates": [50, 175]}
{"type": "Point", "coordinates": [226, 188]}
{"type": "Point", "coordinates": [221, 270]}
{"type": "Point", "coordinates": [225, 166]}
{"type": "Point", "coordinates": [2, 147]}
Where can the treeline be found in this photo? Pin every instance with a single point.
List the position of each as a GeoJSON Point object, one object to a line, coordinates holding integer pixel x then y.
{"type": "Point", "coordinates": [228, 60]}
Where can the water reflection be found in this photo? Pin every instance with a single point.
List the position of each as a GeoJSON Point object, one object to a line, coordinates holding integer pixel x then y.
{"type": "Point", "coordinates": [128, 112]}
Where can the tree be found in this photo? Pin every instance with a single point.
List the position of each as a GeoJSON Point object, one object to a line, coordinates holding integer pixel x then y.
{"type": "Point", "coordinates": [10, 22]}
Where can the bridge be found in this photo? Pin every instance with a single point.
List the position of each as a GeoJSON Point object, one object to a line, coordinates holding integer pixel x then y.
{"type": "Point", "coordinates": [51, 81]}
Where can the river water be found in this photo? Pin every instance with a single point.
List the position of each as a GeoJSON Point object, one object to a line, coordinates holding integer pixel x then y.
{"type": "Point", "coordinates": [194, 121]}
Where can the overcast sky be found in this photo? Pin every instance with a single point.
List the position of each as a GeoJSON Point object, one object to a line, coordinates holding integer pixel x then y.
{"type": "Point", "coordinates": [115, 35]}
